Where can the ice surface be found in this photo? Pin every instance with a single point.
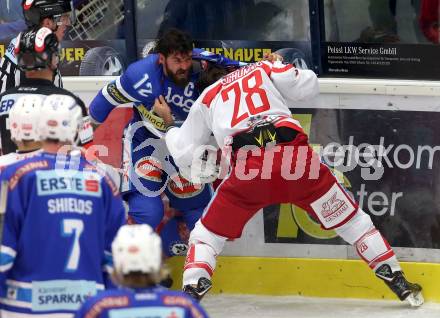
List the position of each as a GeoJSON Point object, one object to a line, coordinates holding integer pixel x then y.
{"type": "Point", "coordinates": [244, 306]}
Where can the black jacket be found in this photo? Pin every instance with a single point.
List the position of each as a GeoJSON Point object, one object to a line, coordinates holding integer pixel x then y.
{"type": "Point", "coordinates": [11, 76]}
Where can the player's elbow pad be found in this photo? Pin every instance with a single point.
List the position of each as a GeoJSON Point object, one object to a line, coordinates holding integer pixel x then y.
{"type": "Point", "coordinates": [99, 109]}
{"type": "Point", "coordinates": [310, 84]}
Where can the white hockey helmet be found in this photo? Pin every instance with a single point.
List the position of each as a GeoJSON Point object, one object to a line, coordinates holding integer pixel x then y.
{"type": "Point", "coordinates": [61, 118]}
{"type": "Point", "coordinates": [23, 118]}
{"type": "Point", "coordinates": [137, 248]}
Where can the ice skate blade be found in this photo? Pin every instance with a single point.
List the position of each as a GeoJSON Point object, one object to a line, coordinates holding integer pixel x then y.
{"type": "Point", "coordinates": [198, 291]}
{"type": "Point", "coordinates": [415, 300]}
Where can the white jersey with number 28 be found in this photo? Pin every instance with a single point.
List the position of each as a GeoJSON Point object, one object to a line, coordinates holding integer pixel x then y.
{"type": "Point", "coordinates": [230, 105]}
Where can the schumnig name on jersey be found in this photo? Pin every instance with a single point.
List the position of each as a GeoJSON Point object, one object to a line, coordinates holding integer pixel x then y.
{"type": "Point", "coordinates": [70, 205]}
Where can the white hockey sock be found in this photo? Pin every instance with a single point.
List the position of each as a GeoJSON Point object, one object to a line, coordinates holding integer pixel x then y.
{"type": "Point", "coordinates": [371, 246]}
{"type": "Point", "coordinates": [375, 250]}
{"type": "Point", "coordinates": [201, 258]}
{"type": "Point", "coordinates": [200, 262]}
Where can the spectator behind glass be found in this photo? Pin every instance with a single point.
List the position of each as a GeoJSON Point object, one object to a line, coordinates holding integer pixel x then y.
{"type": "Point", "coordinates": [225, 20]}
{"type": "Point", "coordinates": [11, 19]}
{"type": "Point", "coordinates": [376, 21]}
{"type": "Point", "coordinates": [429, 19]}
{"type": "Point", "coordinates": [383, 19]}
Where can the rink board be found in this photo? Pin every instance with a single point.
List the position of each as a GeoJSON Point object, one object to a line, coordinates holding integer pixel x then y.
{"type": "Point", "coordinates": [253, 265]}
{"type": "Point", "coordinates": [309, 277]}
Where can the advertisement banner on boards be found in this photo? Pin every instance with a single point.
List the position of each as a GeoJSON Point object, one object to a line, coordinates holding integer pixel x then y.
{"type": "Point", "coordinates": [297, 52]}
{"type": "Point", "coordinates": [388, 161]}
{"type": "Point", "coordinates": [93, 58]}
{"type": "Point", "coordinates": [390, 60]}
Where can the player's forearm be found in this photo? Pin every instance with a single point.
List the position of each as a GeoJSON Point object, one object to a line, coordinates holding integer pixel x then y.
{"type": "Point", "coordinates": [180, 150]}
{"type": "Point", "coordinates": [168, 120]}
{"type": "Point", "coordinates": [295, 84]}
{"type": "Point", "coordinates": [100, 108]}
{"type": "Point", "coordinates": [308, 86]}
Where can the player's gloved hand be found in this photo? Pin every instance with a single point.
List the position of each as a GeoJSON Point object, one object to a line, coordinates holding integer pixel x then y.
{"type": "Point", "coordinates": [204, 169]}
{"type": "Point", "coordinates": [162, 109]}
{"type": "Point", "coordinates": [272, 57]}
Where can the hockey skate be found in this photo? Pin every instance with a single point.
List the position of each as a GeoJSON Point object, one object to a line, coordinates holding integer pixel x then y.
{"type": "Point", "coordinates": [197, 292]}
{"type": "Point", "coordinates": [400, 286]}
{"type": "Point", "coordinates": [167, 282]}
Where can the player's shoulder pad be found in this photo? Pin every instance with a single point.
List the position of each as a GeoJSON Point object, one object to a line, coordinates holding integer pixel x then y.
{"type": "Point", "coordinates": [211, 92]}
{"type": "Point", "coordinates": [11, 91]}
{"type": "Point", "coordinates": [174, 297]}
{"type": "Point", "coordinates": [276, 67]}
{"type": "Point", "coordinates": [5, 161]}
{"type": "Point", "coordinates": [280, 67]}
{"type": "Point", "coordinates": [106, 177]}
{"type": "Point", "coordinates": [109, 299]}
{"type": "Point", "coordinates": [177, 298]}
{"type": "Point", "coordinates": [148, 65]}
{"type": "Point", "coordinates": [135, 77]}
{"type": "Point", "coordinates": [17, 171]}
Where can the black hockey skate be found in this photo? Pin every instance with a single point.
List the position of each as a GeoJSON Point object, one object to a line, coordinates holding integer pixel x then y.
{"type": "Point", "coordinates": [197, 292]}
{"type": "Point", "coordinates": [400, 286]}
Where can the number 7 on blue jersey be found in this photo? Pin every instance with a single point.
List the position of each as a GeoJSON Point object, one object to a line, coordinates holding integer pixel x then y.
{"type": "Point", "coordinates": [71, 227]}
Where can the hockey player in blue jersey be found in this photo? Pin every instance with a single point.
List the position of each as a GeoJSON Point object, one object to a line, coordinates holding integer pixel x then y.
{"type": "Point", "coordinates": [167, 76]}
{"type": "Point", "coordinates": [138, 268]}
{"type": "Point", "coordinates": [23, 120]}
{"type": "Point", "coordinates": [61, 215]}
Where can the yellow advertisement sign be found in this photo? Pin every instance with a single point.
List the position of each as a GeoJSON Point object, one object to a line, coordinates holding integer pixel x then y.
{"type": "Point", "coordinates": [241, 54]}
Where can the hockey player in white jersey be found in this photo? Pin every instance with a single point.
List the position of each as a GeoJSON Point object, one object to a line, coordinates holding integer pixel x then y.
{"type": "Point", "coordinates": [23, 120]}
{"type": "Point", "coordinates": [247, 113]}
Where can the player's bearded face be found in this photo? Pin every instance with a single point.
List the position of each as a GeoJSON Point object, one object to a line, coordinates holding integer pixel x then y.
{"type": "Point", "coordinates": [178, 67]}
